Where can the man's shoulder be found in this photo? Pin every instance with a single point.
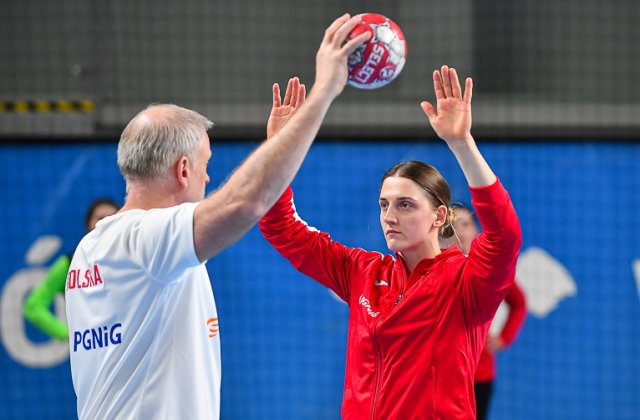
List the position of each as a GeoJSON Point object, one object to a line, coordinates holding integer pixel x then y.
{"type": "Point", "coordinates": [142, 215]}
{"type": "Point", "coordinates": [173, 211]}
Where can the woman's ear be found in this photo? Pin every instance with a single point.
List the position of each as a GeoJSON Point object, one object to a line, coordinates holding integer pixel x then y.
{"type": "Point", "coordinates": [441, 216]}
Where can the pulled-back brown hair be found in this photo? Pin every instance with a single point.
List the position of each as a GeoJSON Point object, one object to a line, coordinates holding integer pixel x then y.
{"type": "Point", "coordinates": [433, 185]}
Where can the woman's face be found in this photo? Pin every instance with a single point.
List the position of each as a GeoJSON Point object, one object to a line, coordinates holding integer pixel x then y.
{"type": "Point", "coordinates": [466, 228]}
{"type": "Point", "coordinates": [406, 215]}
{"type": "Point", "coordinates": [99, 213]}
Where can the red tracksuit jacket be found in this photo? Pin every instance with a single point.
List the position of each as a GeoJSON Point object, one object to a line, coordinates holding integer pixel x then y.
{"type": "Point", "coordinates": [414, 340]}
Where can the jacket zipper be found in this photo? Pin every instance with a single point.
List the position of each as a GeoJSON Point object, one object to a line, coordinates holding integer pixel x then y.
{"type": "Point", "coordinates": [379, 354]}
{"type": "Point", "coordinates": [378, 368]}
{"type": "Point", "coordinates": [402, 286]}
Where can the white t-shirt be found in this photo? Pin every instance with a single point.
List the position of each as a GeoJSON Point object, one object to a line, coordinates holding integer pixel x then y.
{"type": "Point", "coordinates": [143, 326]}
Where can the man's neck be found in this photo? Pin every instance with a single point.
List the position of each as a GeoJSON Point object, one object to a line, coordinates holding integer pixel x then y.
{"type": "Point", "coordinates": [150, 195]}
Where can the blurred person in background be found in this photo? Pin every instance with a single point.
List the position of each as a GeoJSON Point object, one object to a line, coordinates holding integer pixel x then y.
{"type": "Point", "coordinates": [37, 307]}
{"type": "Point", "coordinates": [466, 229]}
{"type": "Point", "coordinates": [417, 322]}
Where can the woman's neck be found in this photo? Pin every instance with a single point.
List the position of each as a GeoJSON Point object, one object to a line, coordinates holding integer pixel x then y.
{"type": "Point", "coordinates": [412, 257]}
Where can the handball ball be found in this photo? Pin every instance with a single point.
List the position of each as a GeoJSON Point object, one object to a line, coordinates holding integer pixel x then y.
{"type": "Point", "coordinates": [381, 59]}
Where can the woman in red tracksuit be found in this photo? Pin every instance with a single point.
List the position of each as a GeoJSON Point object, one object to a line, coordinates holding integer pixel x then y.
{"type": "Point", "coordinates": [417, 322]}
{"type": "Point", "coordinates": [466, 230]}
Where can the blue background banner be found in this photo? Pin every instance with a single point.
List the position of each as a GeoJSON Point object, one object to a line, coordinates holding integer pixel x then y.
{"type": "Point", "coordinates": [284, 336]}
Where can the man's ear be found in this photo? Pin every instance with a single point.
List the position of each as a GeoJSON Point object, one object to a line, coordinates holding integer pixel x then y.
{"type": "Point", "coordinates": [181, 171]}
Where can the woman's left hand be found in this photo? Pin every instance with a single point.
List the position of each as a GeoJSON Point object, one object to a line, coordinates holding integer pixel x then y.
{"type": "Point", "coordinates": [452, 120]}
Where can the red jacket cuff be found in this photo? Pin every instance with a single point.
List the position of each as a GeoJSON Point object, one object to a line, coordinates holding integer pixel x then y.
{"type": "Point", "coordinates": [493, 193]}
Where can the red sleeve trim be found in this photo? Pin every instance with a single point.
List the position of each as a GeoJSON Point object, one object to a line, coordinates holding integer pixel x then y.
{"type": "Point", "coordinates": [493, 193]}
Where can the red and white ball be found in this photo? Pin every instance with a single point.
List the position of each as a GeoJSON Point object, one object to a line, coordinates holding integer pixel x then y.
{"type": "Point", "coordinates": [380, 60]}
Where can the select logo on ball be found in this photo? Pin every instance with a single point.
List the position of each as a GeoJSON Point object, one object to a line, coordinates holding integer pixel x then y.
{"type": "Point", "coordinates": [380, 60]}
{"type": "Point", "coordinates": [387, 73]}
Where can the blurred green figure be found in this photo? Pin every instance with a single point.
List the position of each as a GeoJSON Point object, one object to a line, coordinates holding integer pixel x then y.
{"type": "Point", "coordinates": [37, 308]}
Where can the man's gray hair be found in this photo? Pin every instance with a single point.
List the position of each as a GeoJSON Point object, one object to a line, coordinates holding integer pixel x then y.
{"type": "Point", "coordinates": [155, 138]}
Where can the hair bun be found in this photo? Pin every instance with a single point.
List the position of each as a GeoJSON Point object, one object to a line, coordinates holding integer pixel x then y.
{"type": "Point", "coordinates": [446, 231]}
